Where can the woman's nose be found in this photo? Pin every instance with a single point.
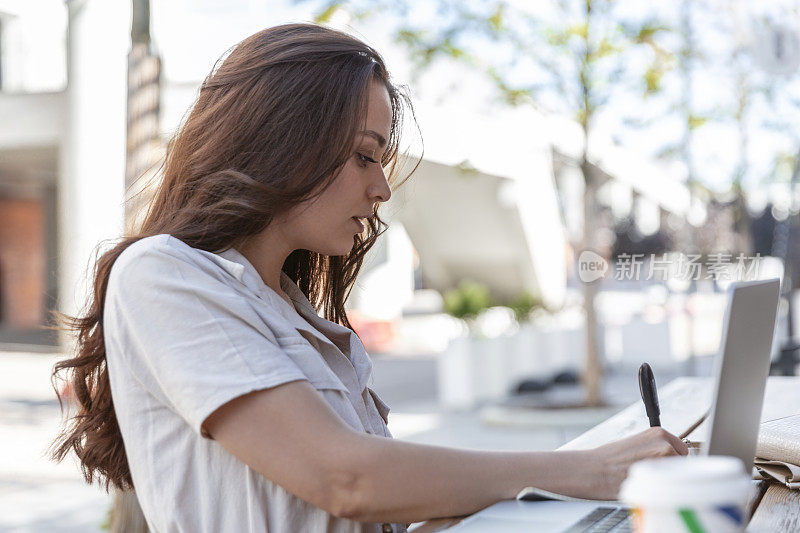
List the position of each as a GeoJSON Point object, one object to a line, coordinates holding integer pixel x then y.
{"type": "Point", "coordinates": [380, 189]}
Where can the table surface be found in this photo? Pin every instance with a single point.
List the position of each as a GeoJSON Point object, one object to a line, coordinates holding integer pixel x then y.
{"type": "Point", "coordinates": [684, 403]}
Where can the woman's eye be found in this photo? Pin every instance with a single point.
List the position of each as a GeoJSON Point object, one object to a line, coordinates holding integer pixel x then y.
{"type": "Point", "coordinates": [364, 160]}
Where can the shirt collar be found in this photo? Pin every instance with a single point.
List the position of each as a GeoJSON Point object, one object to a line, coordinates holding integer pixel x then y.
{"type": "Point", "coordinates": [243, 270]}
{"type": "Point", "coordinates": [238, 266]}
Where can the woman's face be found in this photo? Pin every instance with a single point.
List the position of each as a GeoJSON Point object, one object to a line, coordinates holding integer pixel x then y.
{"type": "Point", "coordinates": [326, 224]}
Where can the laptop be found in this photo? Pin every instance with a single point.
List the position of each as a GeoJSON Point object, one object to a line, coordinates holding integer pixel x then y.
{"type": "Point", "coordinates": [740, 378]}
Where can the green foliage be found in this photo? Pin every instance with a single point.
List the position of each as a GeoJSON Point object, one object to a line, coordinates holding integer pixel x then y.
{"type": "Point", "coordinates": [523, 305]}
{"type": "Point", "coordinates": [450, 49]}
{"type": "Point", "coordinates": [605, 48]}
{"type": "Point", "coordinates": [582, 52]}
{"type": "Point", "coordinates": [424, 47]}
{"type": "Point", "coordinates": [508, 94]}
{"type": "Point", "coordinates": [467, 300]}
{"type": "Point", "coordinates": [695, 121]}
{"type": "Point", "coordinates": [647, 32]}
{"type": "Point", "coordinates": [324, 16]}
{"type": "Point", "coordinates": [556, 38]}
{"type": "Point", "coordinates": [582, 117]}
{"type": "Point", "coordinates": [580, 30]}
{"type": "Point", "coordinates": [496, 20]}
{"type": "Point", "coordinates": [409, 37]}
{"type": "Point", "coordinates": [652, 79]}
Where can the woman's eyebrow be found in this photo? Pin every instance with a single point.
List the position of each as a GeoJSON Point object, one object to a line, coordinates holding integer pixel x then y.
{"type": "Point", "coordinates": [375, 135]}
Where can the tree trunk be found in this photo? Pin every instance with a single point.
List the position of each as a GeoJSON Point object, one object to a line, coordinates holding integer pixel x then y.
{"type": "Point", "coordinates": [142, 141]}
{"type": "Point", "coordinates": [593, 374]}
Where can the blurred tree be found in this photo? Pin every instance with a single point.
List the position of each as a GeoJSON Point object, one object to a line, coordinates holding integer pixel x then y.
{"type": "Point", "coordinates": [142, 140]}
{"type": "Point", "coordinates": [746, 89]}
{"type": "Point", "coordinates": [569, 57]}
{"type": "Point", "coordinates": [725, 78]}
{"type": "Point", "coordinates": [689, 58]}
{"type": "Point", "coordinates": [758, 60]}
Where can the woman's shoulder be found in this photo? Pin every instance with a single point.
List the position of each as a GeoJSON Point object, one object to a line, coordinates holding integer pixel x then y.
{"type": "Point", "coordinates": [163, 255]}
{"type": "Point", "coordinates": [147, 255]}
{"type": "Point", "coordinates": [154, 245]}
{"type": "Point", "coordinates": [160, 244]}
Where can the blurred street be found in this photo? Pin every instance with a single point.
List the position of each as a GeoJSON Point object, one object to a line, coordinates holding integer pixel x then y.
{"type": "Point", "coordinates": [36, 494]}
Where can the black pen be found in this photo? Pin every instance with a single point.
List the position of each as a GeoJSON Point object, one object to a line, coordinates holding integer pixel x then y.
{"type": "Point", "coordinates": [647, 386]}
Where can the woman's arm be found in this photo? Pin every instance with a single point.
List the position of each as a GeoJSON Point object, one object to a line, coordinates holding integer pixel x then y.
{"type": "Point", "coordinates": [293, 437]}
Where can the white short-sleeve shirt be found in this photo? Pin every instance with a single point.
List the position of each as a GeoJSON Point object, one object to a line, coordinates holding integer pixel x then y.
{"type": "Point", "coordinates": [188, 330]}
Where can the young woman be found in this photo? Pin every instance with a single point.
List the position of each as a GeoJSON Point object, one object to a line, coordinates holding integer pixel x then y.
{"type": "Point", "coordinates": [205, 378]}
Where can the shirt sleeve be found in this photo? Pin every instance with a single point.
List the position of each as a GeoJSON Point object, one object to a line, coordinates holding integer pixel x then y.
{"type": "Point", "coordinates": [188, 335]}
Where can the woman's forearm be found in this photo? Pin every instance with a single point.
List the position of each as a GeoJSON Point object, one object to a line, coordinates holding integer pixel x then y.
{"type": "Point", "coordinates": [291, 436]}
{"type": "Point", "coordinates": [320, 459]}
{"type": "Point", "coordinates": [405, 482]}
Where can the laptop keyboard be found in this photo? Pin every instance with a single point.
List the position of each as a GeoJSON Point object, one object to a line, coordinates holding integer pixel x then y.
{"type": "Point", "coordinates": [604, 520]}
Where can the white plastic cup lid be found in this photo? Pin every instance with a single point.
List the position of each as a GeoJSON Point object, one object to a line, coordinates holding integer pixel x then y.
{"type": "Point", "coordinates": [692, 481]}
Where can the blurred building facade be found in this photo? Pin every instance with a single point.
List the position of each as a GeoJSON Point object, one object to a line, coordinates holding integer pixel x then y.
{"type": "Point", "coordinates": [62, 173]}
{"type": "Point", "coordinates": [30, 132]}
{"type": "Point", "coordinates": [62, 154]}
{"type": "Point", "coordinates": [492, 200]}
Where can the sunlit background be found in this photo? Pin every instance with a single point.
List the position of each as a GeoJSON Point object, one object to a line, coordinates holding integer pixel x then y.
{"type": "Point", "coordinates": [617, 167]}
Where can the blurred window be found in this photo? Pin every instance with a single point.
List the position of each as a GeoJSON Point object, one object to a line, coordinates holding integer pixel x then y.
{"type": "Point", "coordinates": [33, 54]}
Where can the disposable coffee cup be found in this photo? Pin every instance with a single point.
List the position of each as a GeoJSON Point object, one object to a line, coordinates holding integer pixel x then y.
{"type": "Point", "coordinates": [699, 494]}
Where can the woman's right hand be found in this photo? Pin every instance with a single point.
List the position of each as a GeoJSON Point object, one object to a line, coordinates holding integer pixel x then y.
{"type": "Point", "coordinates": [612, 460]}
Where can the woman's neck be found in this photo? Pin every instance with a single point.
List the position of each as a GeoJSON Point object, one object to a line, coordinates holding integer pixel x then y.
{"type": "Point", "coordinates": [267, 252]}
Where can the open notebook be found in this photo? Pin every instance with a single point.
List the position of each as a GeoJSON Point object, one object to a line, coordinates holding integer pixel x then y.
{"type": "Point", "coordinates": [778, 450]}
{"type": "Point", "coordinates": [777, 458]}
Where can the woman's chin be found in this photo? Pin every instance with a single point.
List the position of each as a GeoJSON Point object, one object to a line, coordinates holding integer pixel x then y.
{"type": "Point", "coordinates": [344, 249]}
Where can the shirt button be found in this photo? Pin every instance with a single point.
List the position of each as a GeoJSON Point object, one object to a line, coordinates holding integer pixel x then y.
{"type": "Point", "coordinates": [387, 528]}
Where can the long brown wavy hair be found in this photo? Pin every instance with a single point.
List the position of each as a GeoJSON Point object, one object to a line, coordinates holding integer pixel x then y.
{"type": "Point", "coordinates": [271, 127]}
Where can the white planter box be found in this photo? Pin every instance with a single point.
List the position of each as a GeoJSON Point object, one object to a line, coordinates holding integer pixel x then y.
{"type": "Point", "coordinates": [455, 374]}
{"type": "Point", "coordinates": [476, 370]}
